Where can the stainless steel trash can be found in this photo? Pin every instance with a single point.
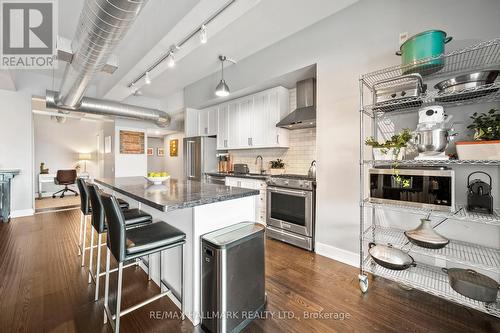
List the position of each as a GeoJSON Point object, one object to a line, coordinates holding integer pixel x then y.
{"type": "Point", "coordinates": [233, 277]}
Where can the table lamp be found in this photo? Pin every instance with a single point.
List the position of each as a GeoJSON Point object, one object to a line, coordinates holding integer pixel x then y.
{"type": "Point", "coordinates": [84, 157]}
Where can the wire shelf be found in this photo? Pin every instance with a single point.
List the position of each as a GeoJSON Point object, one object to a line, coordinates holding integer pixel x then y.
{"type": "Point", "coordinates": [484, 55]}
{"type": "Point", "coordinates": [456, 251]}
{"type": "Point", "coordinates": [430, 280]}
{"type": "Point", "coordinates": [458, 213]}
{"type": "Point", "coordinates": [483, 94]}
{"type": "Point", "coordinates": [432, 162]}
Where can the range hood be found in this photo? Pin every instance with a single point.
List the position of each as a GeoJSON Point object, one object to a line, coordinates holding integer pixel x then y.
{"type": "Point", "coordinates": [304, 116]}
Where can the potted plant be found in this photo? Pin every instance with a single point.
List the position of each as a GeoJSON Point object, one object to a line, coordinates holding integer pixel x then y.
{"type": "Point", "coordinates": [277, 167]}
{"type": "Point", "coordinates": [392, 149]}
{"type": "Point", "coordinates": [486, 144]}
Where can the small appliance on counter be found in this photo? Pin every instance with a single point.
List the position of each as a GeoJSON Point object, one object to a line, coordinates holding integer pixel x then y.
{"type": "Point", "coordinates": [241, 168]}
{"type": "Point", "coordinates": [479, 197]}
{"type": "Point", "coordinates": [432, 135]}
{"type": "Point", "coordinates": [427, 188]}
{"type": "Point", "coordinates": [391, 94]}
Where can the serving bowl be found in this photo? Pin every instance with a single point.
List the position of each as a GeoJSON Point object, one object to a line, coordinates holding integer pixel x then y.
{"type": "Point", "coordinates": [157, 180]}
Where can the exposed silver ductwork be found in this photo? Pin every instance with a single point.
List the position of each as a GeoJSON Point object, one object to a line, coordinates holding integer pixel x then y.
{"type": "Point", "coordinates": [102, 25]}
{"type": "Point", "coordinates": [111, 108]}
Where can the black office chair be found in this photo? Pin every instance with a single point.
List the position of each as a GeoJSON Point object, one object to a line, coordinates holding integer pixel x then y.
{"type": "Point", "coordinates": [65, 177]}
{"type": "Point", "coordinates": [128, 244]}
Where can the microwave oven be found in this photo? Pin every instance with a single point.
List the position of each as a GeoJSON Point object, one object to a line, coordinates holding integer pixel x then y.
{"type": "Point", "coordinates": [421, 188]}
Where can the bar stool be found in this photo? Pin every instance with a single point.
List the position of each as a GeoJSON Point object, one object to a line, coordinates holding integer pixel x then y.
{"type": "Point", "coordinates": [128, 244]}
{"type": "Point", "coordinates": [133, 218]}
{"type": "Point", "coordinates": [86, 211]}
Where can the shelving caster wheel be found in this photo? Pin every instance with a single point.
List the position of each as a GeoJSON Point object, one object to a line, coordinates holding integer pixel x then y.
{"type": "Point", "coordinates": [363, 283]}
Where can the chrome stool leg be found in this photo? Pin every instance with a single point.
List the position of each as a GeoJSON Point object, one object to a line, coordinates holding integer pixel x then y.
{"type": "Point", "coordinates": [91, 255]}
{"type": "Point", "coordinates": [84, 236]}
{"type": "Point", "coordinates": [98, 268]}
{"type": "Point", "coordinates": [106, 285]}
{"type": "Point", "coordinates": [119, 297]}
{"type": "Point", "coordinates": [149, 267]}
{"type": "Point", "coordinates": [80, 234]}
{"type": "Point", "coordinates": [182, 283]}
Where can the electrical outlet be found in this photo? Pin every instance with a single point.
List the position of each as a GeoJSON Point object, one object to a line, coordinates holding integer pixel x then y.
{"type": "Point", "coordinates": [403, 36]}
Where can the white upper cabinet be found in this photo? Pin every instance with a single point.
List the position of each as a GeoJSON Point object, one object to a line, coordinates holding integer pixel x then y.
{"type": "Point", "coordinates": [243, 123]}
{"type": "Point", "coordinates": [191, 122]}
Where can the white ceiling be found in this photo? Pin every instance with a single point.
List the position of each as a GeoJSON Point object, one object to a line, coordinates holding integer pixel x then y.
{"type": "Point", "coordinates": [260, 24]}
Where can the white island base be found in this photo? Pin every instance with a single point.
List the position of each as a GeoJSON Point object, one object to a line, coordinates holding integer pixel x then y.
{"type": "Point", "coordinates": [195, 222]}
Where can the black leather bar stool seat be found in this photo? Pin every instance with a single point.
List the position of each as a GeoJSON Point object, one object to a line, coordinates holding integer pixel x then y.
{"type": "Point", "coordinates": [133, 218]}
{"type": "Point", "coordinates": [128, 244]}
{"type": "Point", "coordinates": [123, 204]}
{"type": "Point", "coordinates": [151, 239]}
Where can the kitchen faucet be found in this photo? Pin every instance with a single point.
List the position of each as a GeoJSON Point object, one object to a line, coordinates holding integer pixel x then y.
{"type": "Point", "coordinates": [261, 169]}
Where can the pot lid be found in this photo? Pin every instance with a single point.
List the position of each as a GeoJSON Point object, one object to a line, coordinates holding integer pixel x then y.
{"type": "Point", "coordinates": [424, 233]}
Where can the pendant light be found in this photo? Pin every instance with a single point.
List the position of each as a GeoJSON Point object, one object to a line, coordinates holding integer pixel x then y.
{"type": "Point", "coordinates": [222, 89]}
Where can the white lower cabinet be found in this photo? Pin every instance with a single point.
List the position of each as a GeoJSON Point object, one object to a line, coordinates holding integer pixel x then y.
{"type": "Point", "coordinates": [253, 184]}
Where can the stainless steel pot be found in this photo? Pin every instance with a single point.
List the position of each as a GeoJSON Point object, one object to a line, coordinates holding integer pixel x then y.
{"type": "Point", "coordinates": [425, 236]}
{"type": "Point", "coordinates": [389, 257]}
{"type": "Point", "coordinates": [434, 140]}
{"type": "Point", "coordinates": [466, 85]}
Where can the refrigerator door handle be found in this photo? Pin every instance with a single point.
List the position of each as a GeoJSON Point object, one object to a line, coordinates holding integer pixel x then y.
{"type": "Point", "coordinates": [190, 158]}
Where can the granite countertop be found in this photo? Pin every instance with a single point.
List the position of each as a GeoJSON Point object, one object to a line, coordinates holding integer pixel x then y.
{"type": "Point", "coordinates": [239, 175]}
{"type": "Point", "coordinates": [173, 194]}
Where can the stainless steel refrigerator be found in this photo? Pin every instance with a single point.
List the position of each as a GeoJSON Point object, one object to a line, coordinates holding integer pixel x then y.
{"type": "Point", "coordinates": [200, 157]}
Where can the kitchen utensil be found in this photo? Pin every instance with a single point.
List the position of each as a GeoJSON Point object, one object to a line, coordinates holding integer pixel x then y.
{"type": "Point", "coordinates": [428, 46]}
{"type": "Point", "coordinates": [472, 284]}
{"type": "Point", "coordinates": [467, 85]}
{"type": "Point", "coordinates": [312, 170]}
{"type": "Point", "coordinates": [241, 168]}
{"type": "Point", "coordinates": [425, 236]}
{"type": "Point", "coordinates": [479, 197]}
{"type": "Point", "coordinates": [389, 257]}
{"type": "Point", "coordinates": [391, 94]}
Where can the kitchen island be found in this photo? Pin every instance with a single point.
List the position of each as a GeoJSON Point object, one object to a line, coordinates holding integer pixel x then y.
{"type": "Point", "coordinates": [194, 207]}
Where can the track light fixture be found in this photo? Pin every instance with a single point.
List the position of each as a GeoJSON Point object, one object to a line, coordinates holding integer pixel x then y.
{"type": "Point", "coordinates": [203, 34]}
{"type": "Point", "coordinates": [171, 59]}
{"type": "Point", "coordinates": [147, 78]}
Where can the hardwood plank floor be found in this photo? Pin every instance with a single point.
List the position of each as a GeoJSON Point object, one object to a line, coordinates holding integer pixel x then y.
{"type": "Point", "coordinates": [44, 289]}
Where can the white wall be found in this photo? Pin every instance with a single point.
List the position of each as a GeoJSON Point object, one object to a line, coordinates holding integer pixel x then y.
{"type": "Point", "coordinates": [156, 163]}
{"type": "Point", "coordinates": [175, 164]}
{"type": "Point", "coordinates": [16, 148]}
{"type": "Point", "coordinates": [359, 39]}
{"type": "Point", "coordinates": [58, 145]}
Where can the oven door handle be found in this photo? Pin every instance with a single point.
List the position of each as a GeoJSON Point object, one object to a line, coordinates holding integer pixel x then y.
{"type": "Point", "coordinates": [283, 191]}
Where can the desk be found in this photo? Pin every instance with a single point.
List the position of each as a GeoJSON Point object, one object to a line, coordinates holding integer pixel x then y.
{"type": "Point", "coordinates": [5, 179]}
{"type": "Point", "coordinates": [49, 178]}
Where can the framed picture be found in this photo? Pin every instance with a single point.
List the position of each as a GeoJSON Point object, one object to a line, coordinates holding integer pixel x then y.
{"type": "Point", "coordinates": [174, 147]}
{"type": "Point", "coordinates": [150, 151]}
{"type": "Point", "coordinates": [131, 142]}
{"type": "Point", "coordinates": [160, 151]}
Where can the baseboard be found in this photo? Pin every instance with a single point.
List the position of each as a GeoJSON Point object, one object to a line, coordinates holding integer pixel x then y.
{"type": "Point", "coordinates": [332, 252]}
{"type": "Point", "coordinates": [22, 213]}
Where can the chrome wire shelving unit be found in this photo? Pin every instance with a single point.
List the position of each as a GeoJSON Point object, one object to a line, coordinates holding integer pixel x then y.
{"type": "Point", "coordinates": [426, 277]}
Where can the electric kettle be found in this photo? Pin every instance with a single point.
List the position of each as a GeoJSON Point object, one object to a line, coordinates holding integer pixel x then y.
{"type": "Point", "coordinates": [312, 170]}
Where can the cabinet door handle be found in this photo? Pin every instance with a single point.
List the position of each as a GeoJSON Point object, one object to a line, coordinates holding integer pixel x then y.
{"type": "Point", "coordinates": [206, 130]}
{"type": "Point", "coordinates": [225, 143]}
{"type": "Point", "coordinates": [277, 138]}
{"type": "Point", "coordinates": [249, 142]}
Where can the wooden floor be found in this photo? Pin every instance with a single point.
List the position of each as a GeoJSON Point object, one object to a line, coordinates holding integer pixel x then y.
{"type": "Point", "coordinates": [44, 289]}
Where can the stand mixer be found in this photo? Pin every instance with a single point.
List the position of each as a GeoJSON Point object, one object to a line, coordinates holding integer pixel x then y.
{"type": "Point", "coordinates": [431, 135]}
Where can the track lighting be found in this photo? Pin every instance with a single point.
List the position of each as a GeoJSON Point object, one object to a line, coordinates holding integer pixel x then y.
{"type": "Point", "coordinates": [203, 34]}
{"type": "Point", "coordinates": [171, 59]}
{"type": "Point", "coordinates": [147, 78]}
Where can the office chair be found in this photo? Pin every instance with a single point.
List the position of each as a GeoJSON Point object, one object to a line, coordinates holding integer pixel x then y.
{"type": "Point", "coordinates": [65, 177]}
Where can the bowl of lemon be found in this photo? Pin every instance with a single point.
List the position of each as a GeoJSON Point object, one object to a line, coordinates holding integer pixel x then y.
{"type": "Point", "coordinates": [157, 178]}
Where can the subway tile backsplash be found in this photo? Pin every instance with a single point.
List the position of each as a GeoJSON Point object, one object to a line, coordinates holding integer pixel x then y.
{"type": "Point", "coordinates": [297, 158]}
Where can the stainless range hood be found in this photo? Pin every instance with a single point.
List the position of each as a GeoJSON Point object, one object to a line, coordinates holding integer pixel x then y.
{"type": "Point", "coordinates": [304, 116]}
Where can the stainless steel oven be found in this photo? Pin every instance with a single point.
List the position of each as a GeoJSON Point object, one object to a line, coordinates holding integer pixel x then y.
{"type": "Point", "coordinates": [291, 210]}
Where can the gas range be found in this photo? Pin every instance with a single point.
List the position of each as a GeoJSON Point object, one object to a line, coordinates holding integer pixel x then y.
{"type": "Point", "coordinates": [302, 182]}
{"type": "Point", "coordinates": [291, 202]}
